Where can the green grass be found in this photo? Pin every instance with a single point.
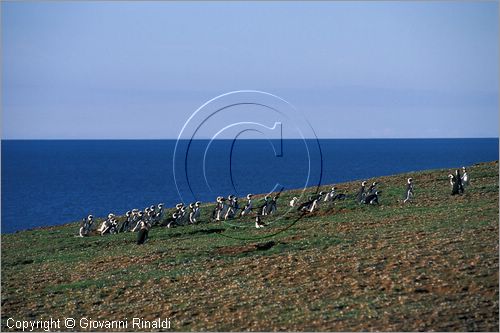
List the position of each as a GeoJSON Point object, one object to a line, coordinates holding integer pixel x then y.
{"type": "Point", "coordinates": [428, 265]}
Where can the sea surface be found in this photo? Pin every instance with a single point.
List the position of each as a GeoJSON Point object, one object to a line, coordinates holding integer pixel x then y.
{"type": "Point", "coordinates": [49, 182]}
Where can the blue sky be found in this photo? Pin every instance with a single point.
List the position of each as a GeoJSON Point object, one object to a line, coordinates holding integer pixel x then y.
{"type": "Point", "coordinates": [138, 70]}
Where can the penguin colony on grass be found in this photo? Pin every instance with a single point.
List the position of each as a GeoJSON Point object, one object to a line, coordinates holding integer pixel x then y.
{"type": "Point", "coordinates": [227, 208]}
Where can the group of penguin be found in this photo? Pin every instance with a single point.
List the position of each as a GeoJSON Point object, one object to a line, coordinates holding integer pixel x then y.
{"type": "Point", "coordinates": [135, 220]}
{"type": "Point", "coordinates": [458, 182]}
{"type": "Point", "coordinates": [227, 208]}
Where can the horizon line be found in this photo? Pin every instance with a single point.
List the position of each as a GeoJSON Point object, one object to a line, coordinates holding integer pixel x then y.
{"type": "Point", "coordinates": [222, 139]}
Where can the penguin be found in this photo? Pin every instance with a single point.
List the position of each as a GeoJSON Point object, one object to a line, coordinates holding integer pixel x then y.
{"type": "Point", "coordinates": [106, 224]}
{"type": "Point", "coordinates": [465, 177]}
{"type": "Point", "coordinates": [82, 229]}
{"type": "Point", "coordinates": [458, 178]}
{"type": "Point", "coordinates": [143, 226]}
{"type": "Point", "coordinates": [171, 222]}
{"type": "Point", "coordinates": [331, 196]}
{"type": "Point", "coordinates": [134, 219]}
{"type": "Point", "coordinates": [450, 176]}
{"type": "Point", "coordinates": [192, 210]}
{"type": "Point", "coordinates": [86, 226]}
{"type": "Point", "coordinates": [273, 205]}
{"type": "Point", "coordinates": [248, 207]}
{"type": "Point", "coordinates": [293, 202]}
{"type": "Point", "coordinates": [125, 225]}
{"type": "Point", "coordinates": [221, 208]}
{"type": "Point", "coordinates": [316, 201]}
{"type": "Point", "coordinates": [197, 211]}
{"type": "Point", "coordinates": [259, 223]}
{"type": "Point", "coordinates": [158, 216]}
{"type": "Point", "coordinates": [311, 204]}
{"type": "Point", "coordinates": [372, 199]}
{"type": "Point", "coordinates": [180, 211]}
{"type": "Point", "coordinates": [230, 211]}
{"type": "Point", "coordinates": [113, 226]}
{"type": "Point", "coordinates": [360, 196]}
{"type": "Point", "coordinates": [372, 189]}
{"type": "Point", "coordinates": [409, 190]}
{"type": "Point", "coordinates": [454, 184]}
{"type": "Point", "coordinates": [215, 211]}
{"type": "Point", "coordinates": [265, 206]}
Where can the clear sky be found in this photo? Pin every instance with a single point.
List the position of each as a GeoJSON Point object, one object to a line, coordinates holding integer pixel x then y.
{"type": "Point", "coordinates": [355, 70]}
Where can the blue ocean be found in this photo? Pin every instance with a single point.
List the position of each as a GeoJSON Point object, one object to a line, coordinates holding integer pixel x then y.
{"type": "Point", "coordinates": [47, 182]}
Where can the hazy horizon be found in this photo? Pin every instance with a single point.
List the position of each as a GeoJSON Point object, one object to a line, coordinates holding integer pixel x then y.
{"type": "Point", "coordinates": [138, 70]}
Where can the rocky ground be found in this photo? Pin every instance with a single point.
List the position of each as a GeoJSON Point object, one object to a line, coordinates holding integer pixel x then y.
{"type": "Point", "coordinates": [428, 265]}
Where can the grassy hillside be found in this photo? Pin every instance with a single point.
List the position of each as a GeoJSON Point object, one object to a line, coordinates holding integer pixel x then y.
{"type": "Point", "coordinates": [428, 265]}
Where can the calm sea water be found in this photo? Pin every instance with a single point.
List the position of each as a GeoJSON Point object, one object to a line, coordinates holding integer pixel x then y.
{"type": "Point", "coordinates": [53, 182]}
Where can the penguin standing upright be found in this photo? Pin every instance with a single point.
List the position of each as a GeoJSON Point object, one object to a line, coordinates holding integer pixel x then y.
{"type": "Point", "coordinates": [158, 217]}
{"type": "Point", "coordinates": [372, 189]}
{"type": "Point", "coordinates": [265, 206]}
{"type": "Point", "coordinates": [86, 226]}
{"type": "Point", "coordinates": [248, 207]}
{"type": "Point", "coordinates": [192, 210]}
{"type": "Point", "coordinates": [360, 196]}
{"type": "Point", "coordinates": [293, 202]}
{"type": "Point", "coordinates": [197, 211]}
{"type": "Point", "coordinates": [231, 209]}
{"type": "Point", "coordinates": [465, 177]}
{"type": "Point", "coordinates": [409, 190]}
{"type": "Point", "coordinates": [454, 184]}
{"type": "Point", "coordinates": [143, 226]}
{"type": "Point", "coordinates": [125, 225]}
{"type": "Point", "coordinates": [171, 222]}
{"type": "Point", "coordinates": [221, 208]}
{"type": "Point", "coordinates": [458, 178]}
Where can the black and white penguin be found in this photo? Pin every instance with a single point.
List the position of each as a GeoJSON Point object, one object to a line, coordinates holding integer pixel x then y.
{"type": "Point", "coordinates": [230, 207]}
{"type": "Point", "coordinates": [259, 223]}
{"type": "Point", "coordinates": [106, 225]}
{"type": "Point", "coordinates": [409, 190]}
{"type": "Point", "coordinates": [360, 196]}
{"type": "Point", "coordinates": [454, 184]}
{"type": "Point", "coordinates": [143, 227]}
{"type": "Point", "coordinates": [331, 195]}
{"type": "Point", "coordinates": [273, 205]}
{"type": "Point", "coordinates": [158, 216]}
{"type": "Point", "coordinates": [197, 211]}
{"type": "Point", "coordinates": [86, 226]}
{"type": "Point", "coordinates": [293, 202]}
{"type": "Point", "coordinates": [458, 178]}
{"type": "Point", "coordinates": [125, 225]}
{"type": "Point", "coordinates": [372, 189]}
{"type": "Point", "coordinates": [310, 205]}
{"type": "Point", "coordinates": [465, 177]}
{"type": "Point", "coordinates": [171, 222]}
{"type": "Point", "coordinates": [265, 206]}
{"type": "Point", "coordinates": [220, 209]}
{"type": "Point", "coordinates": [372, 199]}
{"type": "Point", "coordinates": [248, 207]}
{"type": "Point", "coordinates": [192, 209]}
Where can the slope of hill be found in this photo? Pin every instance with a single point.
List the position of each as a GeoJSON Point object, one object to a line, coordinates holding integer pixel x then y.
{"type": "Point", "coordinates": [428, 265]}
